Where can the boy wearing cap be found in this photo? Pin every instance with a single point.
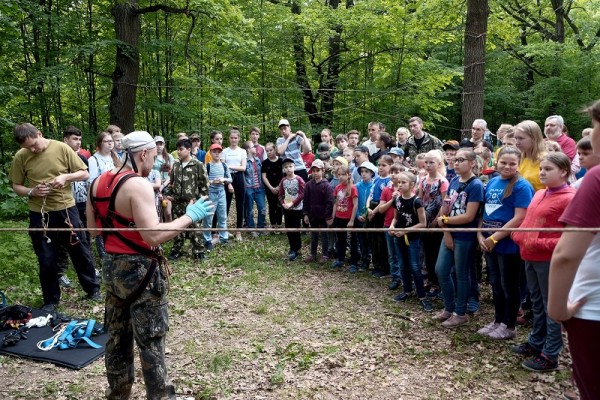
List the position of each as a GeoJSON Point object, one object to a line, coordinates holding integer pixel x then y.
{"type": "Point", "coordinates": [377, 241]}
{"type": "Point", "coordinates": [218, 178]}
{"type": "Point", "coordinates": [397, 155]}
{"type": "Point", "coordinates": [291, 194]}
{"type": "Point", "coordinates": [187, 182]}
{"type": "Point", "coordinates": [292, 146]}
{"type": "Point", "coordinates": [450, 148]}
{"type": "Point", "coordinates": [367, 172]}
{"type": "Point", "coordinates": [317, 209]}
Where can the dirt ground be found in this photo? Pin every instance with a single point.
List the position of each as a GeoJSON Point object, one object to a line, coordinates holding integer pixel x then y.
{"type": "Point", "coordinates": [247, 324]}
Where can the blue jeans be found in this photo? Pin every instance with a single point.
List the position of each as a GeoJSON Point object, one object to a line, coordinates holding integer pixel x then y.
{"type": "Point", "coordinates": [255, 195]}
{"type": "Point", "coordinates": [394, 256]}
{"type": "Point", "coordinates": [218, 198]}
{"type": "Point", "coordinates": [460, 260]}
{"type": "Point", "coordinates": [545, 334]}
{"type": "Point", "coordinates": [410, 265]}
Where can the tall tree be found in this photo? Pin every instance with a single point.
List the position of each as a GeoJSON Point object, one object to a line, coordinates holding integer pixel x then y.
{"type": "Point", "coordinates": [474, 63]}
{"type": "Point", "coordinates": [127, 70]}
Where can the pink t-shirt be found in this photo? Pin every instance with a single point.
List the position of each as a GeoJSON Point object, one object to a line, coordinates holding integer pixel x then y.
{"type": "Point", "coordinates": [344, 202]}
{"type": "Point", "coordinates": [386, 196]}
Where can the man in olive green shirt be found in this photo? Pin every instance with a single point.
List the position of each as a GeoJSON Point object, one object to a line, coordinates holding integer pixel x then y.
{"type": "Point", "coordinates": [43, 171]}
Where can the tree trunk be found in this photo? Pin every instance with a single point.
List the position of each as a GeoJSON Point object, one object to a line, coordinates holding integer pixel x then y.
{"type": "Point", "coordinates": [127, 69]}
{"type": "Point", "coordinates": [474, 63]}
{"type": "Point", "coordinates": [310, 100]}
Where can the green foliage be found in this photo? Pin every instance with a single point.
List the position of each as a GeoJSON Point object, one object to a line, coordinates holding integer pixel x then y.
{"type": "Point", "coordinates": [18, 264]}
{"type": "Point", "coordinates": [236, 65]}
{"type": "Point", "coordinates": [11, 205]}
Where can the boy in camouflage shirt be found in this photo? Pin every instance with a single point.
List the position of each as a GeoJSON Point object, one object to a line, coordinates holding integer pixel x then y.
{"type": "Point", "coordinates": [188, 181]}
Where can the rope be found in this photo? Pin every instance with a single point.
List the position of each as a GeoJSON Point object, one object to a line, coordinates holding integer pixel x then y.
{"type": "Point", "coordinates": [284, 230]}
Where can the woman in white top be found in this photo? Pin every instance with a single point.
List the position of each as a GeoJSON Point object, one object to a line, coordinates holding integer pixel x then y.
{"type": "Point", "coordinates": [235, 158]}
{"type": "Point", "coordinates": [104, 159]}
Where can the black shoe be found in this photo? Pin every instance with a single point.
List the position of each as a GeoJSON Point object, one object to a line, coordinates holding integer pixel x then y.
{"type": "Point", "coordinates": [49, 308]}
{"type": "Point", "coordinates": [525, 349]}
{"type": "Point", "coordinates": [292, 255]}
{"type": "Point", "coordinates": [426, 304]}
{"type": "Point", "coordinates": [208, 246]}
{"type": "Point", "coordinates": [377, 273]}
{"type": "Point", "coordinates": [540, 363]}
{"type": "Point", "coordinates": [174, 255]}
{"type": "Point", "coordinates": [95, 296]}
{"type": "Point", "coordinates": [395, 284]}
{"type": "Point", "coordinates": [199, 256]}
{"type": "Point", "coordinates": [403, 296]}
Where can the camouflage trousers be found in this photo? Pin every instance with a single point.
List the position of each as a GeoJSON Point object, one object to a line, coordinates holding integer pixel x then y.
{"type": "Point", "coordinates": [195, 238]}
{"type": "Point", "coordinates": [144, 319]}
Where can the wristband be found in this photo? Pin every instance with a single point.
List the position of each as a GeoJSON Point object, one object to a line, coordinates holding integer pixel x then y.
{"type": "Point", "coordinates": [493, 240]}
{"type": "Point", "coordinates": [30, 194]}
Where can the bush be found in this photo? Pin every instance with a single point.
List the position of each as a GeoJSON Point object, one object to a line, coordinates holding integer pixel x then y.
{"type": "Point", "coordinates": [11, 205]}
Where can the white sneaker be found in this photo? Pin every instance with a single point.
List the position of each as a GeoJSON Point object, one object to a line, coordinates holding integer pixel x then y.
{"type": "Point", "coordinates": [65, 282]}
{"type": "Point", "coordinates": [488, 328]}
{"type": "Point", "coordinates": [503, 333]}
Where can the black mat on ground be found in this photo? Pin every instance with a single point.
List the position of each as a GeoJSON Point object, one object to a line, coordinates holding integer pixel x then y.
{"type": "Point", "coordinates": [76, 358]}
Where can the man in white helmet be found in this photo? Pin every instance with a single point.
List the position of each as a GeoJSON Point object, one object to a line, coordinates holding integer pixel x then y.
{"type": "Point", "coordinates": [134, 270]}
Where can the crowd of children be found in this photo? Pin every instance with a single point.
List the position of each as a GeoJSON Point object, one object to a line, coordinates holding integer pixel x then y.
{"type": "Point", "coordinates": [353, 186]}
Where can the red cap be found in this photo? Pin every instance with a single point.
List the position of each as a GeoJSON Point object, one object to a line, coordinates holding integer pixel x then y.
{"type": "Point", "coordinates": [216, 146]}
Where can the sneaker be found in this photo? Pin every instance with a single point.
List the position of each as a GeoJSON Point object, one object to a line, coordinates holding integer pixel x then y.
{"type": "Point", "coordinates": [540, 363]}
{"type": "Point", "coordinates": [426, 305]}
{"type": "Point", "coordinates": [526, 318]}
{"type": "Point", "coordinates": [455, 321]}
{"type": "Point", "coordinates": [488, 328]}
{"type": "Point", "coordinates": [442, 316]}
{"type": "Point", "coordinates": [394, 284]}
{"type": "Point", "coordinates": [433, 292]}
{"type": "Point", "coordinates": [361, 267]}
{"type": "Point", "coordinates": [208, 246]}
{"type": "Point", "coordinates": [309, 259]}
{"type": "Point", "coordinates": [502, 333]}
{"type": "Point", "coordinates": [377, 273]}
{"type": "Point", "coordinates": [292, 255]}
{"type": "Point", "coordinates": [49, 308]}
{"type": "Point", "coordinates": [255, 234]}
{"type": "Point", "coordinates": [238, 236]}
{"type": "Point", "coordinates": [337, 264]}
{"type": "Point", "coordinates": [472, 306]}
{"type": "Point", "coordinates": [95, 296]}
{"type": "Point", "coordinates": [199, 256]}
{"type": "Point", "coordinates": [353, 269]}
{"type": "Point", "coordinates": [65, 282]}
{"type": "Point", "coordinates": [402, 296]}
{"type": "Point", "coordinates": [525, 349]}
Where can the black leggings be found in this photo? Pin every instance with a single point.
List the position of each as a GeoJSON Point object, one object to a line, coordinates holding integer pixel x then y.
{"type": "Point", "coordinates": [275, 209]}
{"type": "Point", "coordinates": [240, 193]}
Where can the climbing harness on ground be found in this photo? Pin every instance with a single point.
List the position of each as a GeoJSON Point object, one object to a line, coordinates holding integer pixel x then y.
{"type": "Point", "coordinates": [14, 336]}
{"type": "Point", "coordinates": [69, 336]}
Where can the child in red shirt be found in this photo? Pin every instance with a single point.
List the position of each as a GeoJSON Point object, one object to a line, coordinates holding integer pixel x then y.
{"type": "Point", "coordinates": [344, 211]}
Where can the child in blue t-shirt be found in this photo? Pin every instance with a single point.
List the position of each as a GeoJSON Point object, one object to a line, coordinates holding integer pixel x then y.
{"type": "Point", "coordinates": [367, 171]}
{"type": "Point", "coordinates": [459, 210]}
{"type": "Point", "coordinates": [506, 200]}
{"type": "Point", "coordinates": [376, 240]}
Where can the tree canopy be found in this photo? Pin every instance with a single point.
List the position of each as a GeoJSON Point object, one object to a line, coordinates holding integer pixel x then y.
{"type": "Point", "coordinates": [205, 65]}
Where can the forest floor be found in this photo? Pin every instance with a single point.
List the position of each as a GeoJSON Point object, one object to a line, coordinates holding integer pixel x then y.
{"type": "Point", "coordinates": [248, 324]}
